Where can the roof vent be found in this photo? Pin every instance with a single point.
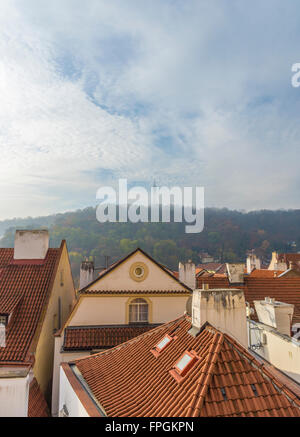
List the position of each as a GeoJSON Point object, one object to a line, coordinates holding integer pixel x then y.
{"type": "Point", "coordinates": [31, 245]}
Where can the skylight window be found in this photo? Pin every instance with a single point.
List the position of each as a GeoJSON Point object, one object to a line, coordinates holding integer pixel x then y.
{"type": "Point", "coordinates": [184, 364]}
{"type": "Point", "coordinates": [162, 344]}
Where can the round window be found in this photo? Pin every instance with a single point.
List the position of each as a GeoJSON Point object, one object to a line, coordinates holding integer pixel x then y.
{"type": "Point", "coordinates": [138, 271]}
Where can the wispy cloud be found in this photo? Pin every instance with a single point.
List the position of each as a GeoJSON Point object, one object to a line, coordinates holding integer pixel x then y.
{"type": "Point", "coordinates": [183, 92]}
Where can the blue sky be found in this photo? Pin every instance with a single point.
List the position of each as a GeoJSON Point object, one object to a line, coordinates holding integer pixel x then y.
{"type": "Point", "coordinates": [186, 92]}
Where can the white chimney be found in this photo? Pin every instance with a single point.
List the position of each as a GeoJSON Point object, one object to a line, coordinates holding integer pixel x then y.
{"type": "Point", "coordinates": [187, 274]}
{"type": "Point", "coordinates": [86, 273]}
{"type": "Point", "coordinates": [224, 309]}
{"type": "Point", "coordinates": [235, 273]}
{"type": "Point", "coordinates": [31, 244]}
{"type": "Point", "coordinates": [253, 262]}
{"type": "Point", "coordinates": [276, 314]}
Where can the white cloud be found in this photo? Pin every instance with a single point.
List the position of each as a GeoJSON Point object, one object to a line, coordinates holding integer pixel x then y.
{"type": "Point", "coordinates": [183, 92]}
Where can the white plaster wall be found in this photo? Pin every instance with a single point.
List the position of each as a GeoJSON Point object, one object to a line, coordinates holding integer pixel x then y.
{"type": "Point", "coordinates": [58, 359]}
{"type": "Point", "coordinates": [280, 351]}
{"type": "Point", "coordinates": [68, 397]}
{"type": "Point", "coordinates": [14, 397]}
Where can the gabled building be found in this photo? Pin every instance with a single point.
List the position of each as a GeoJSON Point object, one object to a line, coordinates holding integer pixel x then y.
{"type": "Point", "coordinates": [36, 296]}
{"type": "Point", "coordinates": [195, 366]}
{"type": "Point", "coordinates": [133, 296]}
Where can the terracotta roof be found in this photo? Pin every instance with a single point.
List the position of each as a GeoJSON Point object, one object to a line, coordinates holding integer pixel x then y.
{"type": "Point", "coordinates": [263, 273]}
{"type": "Point", "coordinates": [226, 380]}
{"type": "Point", "coordinates": [101, 337]}
{"type": "Point", "coordinates": [283, 289]}
{"type": "Point", "coordinates": [289, 257]}
{"type": "Point", "coordinates": [211, 267]}
{"type": "Point", "coordinates": [24, 290]}
{"type": "Point", "coordinates": [37, 405]}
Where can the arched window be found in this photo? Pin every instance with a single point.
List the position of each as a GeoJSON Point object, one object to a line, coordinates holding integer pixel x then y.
{"type": "Point", "coordinates": [138, 311]}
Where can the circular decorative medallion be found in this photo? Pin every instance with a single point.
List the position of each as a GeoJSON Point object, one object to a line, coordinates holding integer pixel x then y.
{"type": "Point", "coordinates": [138, 271]}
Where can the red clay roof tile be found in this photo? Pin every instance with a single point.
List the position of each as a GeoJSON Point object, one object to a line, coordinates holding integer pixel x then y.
{"type": "Point", "coordinates": [129, 381]}
{"type": "Point", "coordinates": [37, 405]}
{"type": "Point", "coordinates": [24, 289]}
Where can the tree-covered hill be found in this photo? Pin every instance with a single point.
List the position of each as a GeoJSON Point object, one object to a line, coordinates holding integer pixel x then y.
{"type": "Point", "coordinates": [227, 235]}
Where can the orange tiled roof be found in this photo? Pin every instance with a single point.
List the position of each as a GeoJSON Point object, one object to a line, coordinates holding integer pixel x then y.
{"type": "Point", "coordinates": [289, 257]}
{"type": "Point", "coordinates": [226, 379]}
{"type": "Point", "coordinates": [24, 289]}
{"type": "Point", "coordinates": [263, 273]}
{"type": "Point", "coordinates": [101, 337]}
{"type": "Point", "coordinates": [37, 405]}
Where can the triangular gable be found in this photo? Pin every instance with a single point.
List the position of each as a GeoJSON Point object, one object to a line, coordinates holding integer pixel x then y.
{"type": "Point", "coordinates": [120, 276]}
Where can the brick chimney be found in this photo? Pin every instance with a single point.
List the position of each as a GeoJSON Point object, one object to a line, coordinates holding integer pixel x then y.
{"type": "Point", "coordinates": [86, 273]}
{"type": "Point", "coordinates": [224, 309]}
{"type": "Point", "coordinates": [276, 314]}
{"type": "Point", "coordinates": [31, 244]}
{"type": "Point", "coordinates": [187, 274]}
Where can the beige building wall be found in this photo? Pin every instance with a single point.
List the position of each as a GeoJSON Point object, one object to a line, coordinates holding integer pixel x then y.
{"type": "Point", "coordinates": [113, 310]}
{"type": "Point", "coordinates": [63, 288]}
{"type": "Point", "coordinates": [280, 350]}
{"type": "Point", "coordinates": [119, 278]}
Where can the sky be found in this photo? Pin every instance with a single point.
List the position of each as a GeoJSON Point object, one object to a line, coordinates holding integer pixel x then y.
{"type": "Point", "coordinates": [183, 92]}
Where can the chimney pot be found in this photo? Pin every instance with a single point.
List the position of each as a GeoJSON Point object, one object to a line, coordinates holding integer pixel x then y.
{"type": "Point", "coordinates": [86, 273]}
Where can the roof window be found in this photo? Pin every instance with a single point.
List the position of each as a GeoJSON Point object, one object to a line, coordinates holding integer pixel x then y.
{"type": "Point", "coordinates": [162, 344]}
{"type": "Point", "coordinates": [184, 364]}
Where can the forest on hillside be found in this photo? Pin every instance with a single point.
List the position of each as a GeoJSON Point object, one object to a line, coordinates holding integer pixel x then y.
{"type": "Point", "coordinates": [227, 236]}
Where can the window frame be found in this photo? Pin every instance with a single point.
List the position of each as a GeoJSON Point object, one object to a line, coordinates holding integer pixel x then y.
{"type": "Point", "coordinates": [133, 303]}
{"type": "Point", "coordinates": [156, 351]}
{"type": "Point", "coordinates": [178, 373]}
{"type": "Point", "coordinates": [5, 316]}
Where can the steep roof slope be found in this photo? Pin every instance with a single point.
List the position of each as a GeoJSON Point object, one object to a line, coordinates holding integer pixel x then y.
{"type": "Point", "coordinates": [24, 292]}
{"type": "Point", "coordinates": [37, 405]}
{"type": "Point", "coordinates": [226, 380]}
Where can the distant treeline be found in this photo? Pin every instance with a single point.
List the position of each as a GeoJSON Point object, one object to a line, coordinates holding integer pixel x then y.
{"type": "Point", "coordinates": [227, 236]}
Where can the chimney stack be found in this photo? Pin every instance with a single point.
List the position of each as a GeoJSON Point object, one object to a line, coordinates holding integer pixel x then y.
{"type": "Point", "coordinates": [31, 244]}
{"type": "Point", "coordinates": [253, 262]}
{"type": "Point", "coordinates": [224, 309]}
{"type": "Point", "coordinates": [86, 273]}
{"type": "Point", "coordinates": [276, 314]}
{"type": "Point", "coordinates": [235, 273]}
{"type": "Point", "coordinates": [187, 274]}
